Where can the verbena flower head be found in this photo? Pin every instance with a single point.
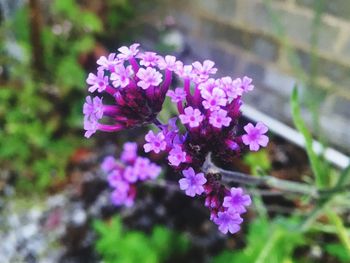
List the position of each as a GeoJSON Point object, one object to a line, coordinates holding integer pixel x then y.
{"type": "Point", "coordinates": [134, 83]}
{"type": "Point", "coordinates": [129, 153]}
{"type": "Point", "coordinates": [124, 174]}
{"type": "Point", "coordinates": [207, 122]}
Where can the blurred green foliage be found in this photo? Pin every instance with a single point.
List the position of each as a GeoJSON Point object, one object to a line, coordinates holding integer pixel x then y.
{"type": "Point", "coordinates": [40, 109]}
{"type": "Point", "coordinates": [117, 245]}
{"type": "Point", "coordinates": [259, 162]}
{"type": "Point", "coordinates": [267, 242]}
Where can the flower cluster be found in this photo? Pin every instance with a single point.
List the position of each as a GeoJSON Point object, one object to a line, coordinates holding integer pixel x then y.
{"type": "Point", "coordinates": [207, 121]}
{"type": "Point", "coordinates": [123, 174]}
{"type": "Point", "coordinates": [136, 86]}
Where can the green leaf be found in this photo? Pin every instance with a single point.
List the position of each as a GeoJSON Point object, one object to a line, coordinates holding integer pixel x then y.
{"type": "Point", "coordinates": [338, 251]}
{"type": "Point", "coordinates": [267, 242]}
{"type": "Point", "coordinates": [319, 172]}
{"type": "Point", "coordinates": [344, 177]}
{"type": "Point", "coordinates": [69, 73]}
{"type": "Point", "coordinates": [91, 22]}
{"type": "Point", "coordinates": [85, 44]}
{"type": "Point", "coordinates": [258, 161]}
{"type": "Point", "coordinates": [69, 8]}
{"type": "Point", "coordinates": [117, 245]}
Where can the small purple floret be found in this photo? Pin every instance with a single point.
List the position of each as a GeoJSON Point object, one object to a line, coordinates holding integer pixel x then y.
{"type": "Point", "coordinates": [193, 183]}
{"type": "Point", "coordinates": [148, 77]}
{"type": "Point", "coordinates": [237, 201]}
{"type": "Point", "coordinates": [255, 136]}
{"type": "Point", "coordinates": [177, 156]}
{"type": "Point", "coordinates": [155, 142]}
{"type": "Point", "coordinates": [228, 222]}
{"type": "Point", "coordinates": [192, 117]}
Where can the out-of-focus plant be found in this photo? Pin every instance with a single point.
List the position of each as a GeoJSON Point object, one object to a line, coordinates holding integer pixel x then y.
{"type": "Point", "coordinates": [267, 242]}
{"type": "Point", "coordinates": [334, 190]}
{"type": "Point", "coordinates": [272, 239]}
{"type": "Point", "coordinates": [259, 162]}
{"type": "Point", "coordinates": [114, 244]}
{"type": "Point", "coordinates": [40, 89]}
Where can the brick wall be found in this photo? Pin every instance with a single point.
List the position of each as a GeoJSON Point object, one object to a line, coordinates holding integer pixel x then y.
{"type": "Point", "coordinates": [270, 40]}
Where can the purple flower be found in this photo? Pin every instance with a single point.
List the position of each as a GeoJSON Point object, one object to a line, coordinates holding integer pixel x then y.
{"type": "Point", "coordinates": [148, 77]}
{"type": "Point", "coordinates": [170, 131]}
{"type": "Point", "coordinates": [128, 53]}
{"type": "Point", "coordinates": [107, 63]}
{"type": "Point", "coordinates": [129, 174]}
{"type": "Point", "coordinates": [232, 88]}
{"type": "Point", "coordinates": [153, 171]}
{"type": "Point", "coordinates": [120, 197]}
{"type": "Point", "coordinates": [169, 63]}
{"type": "Point", "coordinates": [214, 99]}
{"type": "Point", "coordinates": [255, 136]}
{"type": "Point", "coordinates": [129, 153]}
{"type": "Point", "coordinates": [121, 76]}
{"type": "Point", "coordinates": [208, 85]}
{"type": "Point", "coordinates": [219, 118]}
{"type": "Point", "coordinates": [109, 164]}
{"type": "Point", "coordinates": [154, 143]}
{"type": "Point", "coordinates": [246, 84]}
{"type": "Point", "coordinates": [93, 108]}
{"type": "Point", "coordinates": [177, 155]}
{"type": "Point", "coordinates": [192, 183]}
{"type": "Point", "coordinates": [90, 126]}
{"type": "Point", "coordinates": [192, 116]}
{"type": "Point", "coordinates": [185, 72]}
{"type": "Point", "coordinates": [145, 170]}
{"type": "Point", "coordinates": [228, 222]}
{"type": "Point", "coordinates": [114, 179]}
{"type": "Point", "coordinates": [122, 175]}
{"type": "Point", "coordinates": [236, 201]}
{"type": "Point", "coordinates": [97, 82]}
{"type": "Point", "coordinates": [204, 70]}
{"type": "Point", "coordinates": [177, 96]}
{"type": "Point", "coordinates": [149, 59]}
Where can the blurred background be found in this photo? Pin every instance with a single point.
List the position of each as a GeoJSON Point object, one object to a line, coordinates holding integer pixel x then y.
{"type": "Point", "coordinates": [54, 201]}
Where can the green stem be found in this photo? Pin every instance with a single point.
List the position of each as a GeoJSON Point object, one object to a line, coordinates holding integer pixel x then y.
{"type": "Point", "coordinates": [271, 242]}
{"type": "Point", "coordinates": [228, 177]}
{"type": "Point", "coordinates": [340, 228]}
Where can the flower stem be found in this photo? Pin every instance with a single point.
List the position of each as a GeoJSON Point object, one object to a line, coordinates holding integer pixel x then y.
{"type": "Point", "coordinates": [266, 180]}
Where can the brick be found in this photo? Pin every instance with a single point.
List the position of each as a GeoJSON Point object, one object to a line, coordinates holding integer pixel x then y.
{"type": "Point", "coordinates": [225, 61]}
{"type": "Point", "coordinates": [254, 71]}
{"type": "Point", "coordinates": [342, 107]}
{"type": "Point", "coordinates": [335, 72]}
{"type": "Point", "coordinates": [336, 130]}
{"type": "Point", "coordinates": [279, 82]}
{"type": "Point", "coordinates": [346, 50]}
{"type": "Point", "coordinates": [186, 22]}
{"type": "Point", "coordinates": [262, 46]}
{"type": "Point", "coordinates": [218, 31]}
{"type": "Point", "coordinates": [338, 8]}
{"type": "Point", "coordinates": [339, 74]}
{"type": "Point", "coordinates": [225, 9]}
{"type": "Point", "coordinates": [297, 26]}
{"type": "Point", "coordinates": [254, 14]}
{"type": "Point", "coordinates": [265, 48]}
